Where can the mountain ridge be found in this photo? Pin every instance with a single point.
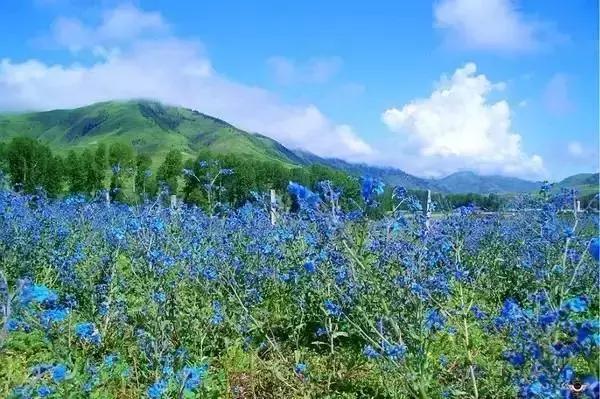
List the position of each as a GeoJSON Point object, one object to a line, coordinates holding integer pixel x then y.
{"type": "Point", "coordinates": [156, 128]}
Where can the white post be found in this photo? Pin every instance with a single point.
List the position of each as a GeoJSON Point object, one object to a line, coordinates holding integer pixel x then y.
{"type": "Point", "coordinates": [428, 209]}
{"type": "Point", "coordinates": [173, 201]}
{"type": "Point", "coordinates": [273, 207]}
{"type": "Point", "coordinates": [578, 206]}
{"type": "Point", "coordinates": [107, 197]}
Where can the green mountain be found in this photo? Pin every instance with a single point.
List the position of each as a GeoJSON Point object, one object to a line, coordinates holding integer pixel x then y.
{"type": "Point", "coordinates": [585, 183]}
{"type": "Point", "coordinates": [392, 176]}
{"type": "Point", "coordinates": [155, 128]}
{"type": "Point", "coordinates": [149, 126]}
{"type": "Point", "coordinates": [469, 182]}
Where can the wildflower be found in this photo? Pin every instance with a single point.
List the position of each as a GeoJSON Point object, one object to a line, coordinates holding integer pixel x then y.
{"type": "Point", "coordinates": [310, 267]}
{"type": "Point", "coordinates": [594, 248]}
{"type": "Point", "coordinates": [576, 304]}
{"type": "Point", "coordinates": [370, 188]}
{"type": "Point", "coordinates": [517, 359]}
{"type": "Point", "coordinates": [303, 195]}
{"type": "Point", "coordinates": [300, 368]}
{"type": "Point", "coordinates": [370, 352]}
{"type": "Point", "coordinates": [48, 317]}
{"type": "Point", "coordinates": [45, 391]}
{"type": "Point", "coordinates": [217, 317]}
{"type": "Point", "coordinates": [394, 352]}
{"type": "Point", "coordinates": [434, 320]}
{"type": "Point", "coordinates": [32, 293]}
{"type": "Point", "coordinates": [88, 332]}
{"type": "Point", "coordinates": [59, 373]}
{"type": "Point", "coordinates": [157, 390]}
{"type": "Point", "coordinates": [110, 360]}
{"type": "Point", "coordinates": [192, 376]}
{"type": "Point", "coordinates": [332, 308]}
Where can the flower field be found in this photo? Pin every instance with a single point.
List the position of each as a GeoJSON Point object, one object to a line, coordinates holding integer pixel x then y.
{"type": "Point", "coordinates": [128, 301]}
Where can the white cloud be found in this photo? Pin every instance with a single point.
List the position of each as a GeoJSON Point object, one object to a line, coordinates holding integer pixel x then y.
{"type": "Point", "coordinates": [117, 25]}
{"type": "Point", "coordinates": [575, 148]}
{"type": "Point", "coordinates": [457, 128]}
{"type": "Point", "coordinates": [557, 98]}
{"type": "Point", "coordinates": [171, 70]}
{"type": "Point", "coordinates": [491, 25]}
{"type": "Point", "coordinates": [315, 70]}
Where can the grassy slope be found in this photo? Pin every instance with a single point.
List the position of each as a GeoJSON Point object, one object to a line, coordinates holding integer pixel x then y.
{"type": "Point", "coordinates": [149, 126]}
{"type": "Point", "coordinates": [585, 183]}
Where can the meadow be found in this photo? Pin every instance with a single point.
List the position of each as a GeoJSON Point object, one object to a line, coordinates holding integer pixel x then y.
{"type": "Point", "coordinates": [119, 300]}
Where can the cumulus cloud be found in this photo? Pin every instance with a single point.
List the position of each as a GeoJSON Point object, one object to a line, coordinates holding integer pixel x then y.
{"type": "Point", "coordinates": [172, 70]}
{"type": "Point", "coordinates": [315, 70]}
{"type": "Point", "coordinates": [458, 128]}
{"type": "Point", "coordinates": [117, 25]}
{"type": "Point", "coordinates": [491, 25]}
{"type": "Point", "coordinates": [557, 98]}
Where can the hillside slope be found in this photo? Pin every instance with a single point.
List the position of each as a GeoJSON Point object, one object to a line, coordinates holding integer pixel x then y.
{"type": "Point", "coordinates": [149, 126]}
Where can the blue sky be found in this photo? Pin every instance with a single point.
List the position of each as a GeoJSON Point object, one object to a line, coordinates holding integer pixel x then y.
{"type": "Point", "coordinates": [501, 86]}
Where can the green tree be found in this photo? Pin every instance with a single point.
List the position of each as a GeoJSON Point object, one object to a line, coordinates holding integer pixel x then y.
{"type": "Point", "coordinates": [97, 172]}
{"type": "Point", "coordinates": [75, 173]}
{"type": "Point", "coordinates": [31, 165]}
{"type": "Point", "coordinates": [170, 170]}
{"type": "Point", "coordinates": [121, 158]}
{"type": "Point", "coordinates": [143, 173]}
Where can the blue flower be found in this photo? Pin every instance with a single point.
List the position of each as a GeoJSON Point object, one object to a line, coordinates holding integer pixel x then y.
{"type": "Point", "coordinates": [157, 390]}
{"type": "Point", "coordinates": [37, 294]}
{"type": "Point", "coordinates": [110, 360]}
{"type": "Point", "coordinates": [332, 308]}
{"type": "Point", "coordinates": [300, 368]}
{"type": "Point", "coordinates": [370, 188]}
{"type": "Point", "coordinates": [59, 372]}
{"type": "Point", "coordinates": [48, 317]}
{"type": "Point", "coordinates": [88, 332]}
{"type": "Point", "coordinates": [566, 374]}
{"type": "Point", "coordinates": [576, 304]}
{"type": "Point", "coordinates": [394, 352]}
{"type": "Point", "coordinates": [594, 248]}
{"type": "Point", "coordinates": [434, 320]}
{"type": "Point", "coordinates": [310, 267]}
{"type": "Point", "coordinates": [517, 359]}
{"type": "Point", "coordinates": [370, 352]}
{"type": "Point", "coordinates": [192, 376]}
{"type": "Point", "coordinates": [45, 391]}
{"type": "Point", "coordinates": [303, 195]}
{"type": "Point", "coordinates": [217, 317]}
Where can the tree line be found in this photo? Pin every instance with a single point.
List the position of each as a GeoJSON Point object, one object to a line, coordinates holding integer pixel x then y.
{"type": "Point", "coordinates": [129, 176]}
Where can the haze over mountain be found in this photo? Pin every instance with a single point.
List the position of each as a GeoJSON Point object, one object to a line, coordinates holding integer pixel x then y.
{"type": "Point", "coordinates": [155, 128]}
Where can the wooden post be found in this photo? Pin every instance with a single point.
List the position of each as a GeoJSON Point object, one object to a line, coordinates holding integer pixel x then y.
{"type": "Point", "coordinates": [173, 201]}
{"type": "Point", "coordinates": [273, 207]}
{"type": "Point", "coordinates": [428, 210]}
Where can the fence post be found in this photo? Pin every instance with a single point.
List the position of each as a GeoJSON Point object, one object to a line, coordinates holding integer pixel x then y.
{"type": "Point", "coordinates": [173, 201]}
{"type": "Point", "coordinates": [273, 207]}
{"type": "Point", "coordinates": [428, 210]}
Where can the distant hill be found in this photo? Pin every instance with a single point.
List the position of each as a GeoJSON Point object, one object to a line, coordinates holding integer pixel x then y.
{"type": "Point", "coordinates": [461, 182]}
{"type": "Point", "coordinates": [149, 126]}
{"type": "Point", "coordinates": [392, 176]}
{"type": "Point", "coordinates": [155, 128]}
{"type": "Point", "coordinates": [585, 183]}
